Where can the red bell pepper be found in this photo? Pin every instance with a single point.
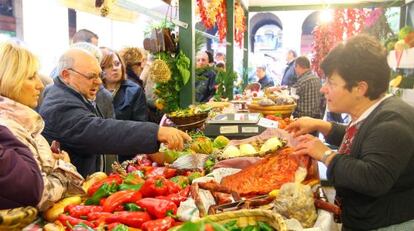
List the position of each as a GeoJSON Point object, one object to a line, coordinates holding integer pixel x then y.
{"type": "Point", "coordinates": [133, 219]}
{"type": "Point", "coordinates": [120, 198]}
{"type": "Point", "coordinates": [68, 221]}
{"type": "Point", "coordinates": [98, 215]}
{"type": "Point", "coordinates": [170, 172]}
{"type": "Point", "coordinates": [155, 186]}
{"type": "Point", "coordinates": [114, 178]}
{"type": "Point", "coordinates": [159, 224]}
{"type": "Point", "coordinates": [173, 187]}
{"type": "Point", "coordinates": [82, 210]}
{"type": "Point", "coordinates": [177, 198]}
{"type": "Point", "coordinates": [158, 208]}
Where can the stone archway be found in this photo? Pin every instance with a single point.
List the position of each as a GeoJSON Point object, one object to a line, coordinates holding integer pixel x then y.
{"type": "Point", "coordinates": [259, 20]}
{"type": "Point", "coordinates": [307, 28]}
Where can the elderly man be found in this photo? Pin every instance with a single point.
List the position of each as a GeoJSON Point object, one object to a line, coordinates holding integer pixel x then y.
{"type": "Point", "coordinates": [206, 77]}
{"type": "Point", "coordinates": [264, 80]}
{"type": "Point", "coordinates": [72, 118]}
{"type": "Point", "coordinates": [307, 88]}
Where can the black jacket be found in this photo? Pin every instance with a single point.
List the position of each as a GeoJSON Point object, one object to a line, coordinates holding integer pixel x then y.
{"type": "Point", "coordinates": [376, 181]}
{"type": "Point", "coordinates": [78, 125]}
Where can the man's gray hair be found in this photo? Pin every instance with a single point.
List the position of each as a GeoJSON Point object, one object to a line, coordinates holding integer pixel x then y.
{"type": "Point", "coordinates": [65, 62]}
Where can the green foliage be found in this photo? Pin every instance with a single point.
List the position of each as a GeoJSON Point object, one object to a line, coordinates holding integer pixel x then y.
{"type": "Point", "coordinates": [225, 84]}
{"type": "Point", "coordinates": [404, 32]}
{"type": "Point", "coordinates": [169, 92]}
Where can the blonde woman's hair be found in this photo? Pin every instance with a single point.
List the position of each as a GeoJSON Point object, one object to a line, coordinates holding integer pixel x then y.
{"type": "Point", "coordinates": [16, 64]}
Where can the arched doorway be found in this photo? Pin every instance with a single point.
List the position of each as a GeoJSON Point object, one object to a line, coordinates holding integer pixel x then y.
{"type": "Point", "coordinates": [307, 28]}
{"type": "Point", "coordinates": [264, 19]}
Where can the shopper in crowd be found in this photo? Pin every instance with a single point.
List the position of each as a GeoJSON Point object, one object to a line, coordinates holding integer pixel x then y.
{"type": "Point", "coordinates": [20, 88]}
{"type": "Point", "coordinates": [134, 59]}
{"type": "Point", "coordinates": [307, 89]}
{"type": "Point", "coordinates": [128, 97]}
{"type": "Point", "coordinates": [205, 77]}
{"type": "Point", "coordinates": [219, 57]}
{"type": "Point", "coordinates": [289, 75]}
{"type": "Point", "coordinates": [87, 40]}
{"type": "Point", "coordinates": [71, 117]}
{"type": "Point", "coordinates": [373, 169]}
{"type": "Point", "coordinates": [264, 80]}
{"type": "Point", "coordinates": [85, 35]}
{"type": "Point", "coordinates": [19, 169]}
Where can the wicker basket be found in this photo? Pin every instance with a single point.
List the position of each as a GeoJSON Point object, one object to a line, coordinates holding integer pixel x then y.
{"type": "Point", "coordinates": [247, 217]}
{"type": "Point", "coordinates": [17, 219]}
{"type": "Point", "coordinates": [283, 110]}
{"type": "Point", "coordinates": [184, 120]}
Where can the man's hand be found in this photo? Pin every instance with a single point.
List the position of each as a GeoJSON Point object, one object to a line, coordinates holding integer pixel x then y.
{"type": "Point", "coordinates": [173, 138]}
{"type": "Point", "coordinates": [61, 156]}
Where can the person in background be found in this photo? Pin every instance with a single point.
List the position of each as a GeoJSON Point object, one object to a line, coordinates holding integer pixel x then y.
{"type": "Point", "coordinates": [85, 35]}
{"type": "Point", "coordinates": [289, 75]}
{"type": "Point", "coordinates": [20, 88]}
{"type": "Point", "coordinates": [71, 117]}
{"type": "Point", "coordinates": [220, 57]}
{"type": "Point", "coordinates": [19, 169]}
{"type": "Point", "coordinates": [307, 89]}
{"type": "Point", "coordinates": [264, 80]}
{"type": "Point", "coordinates": [205, 77]}
{"type": "Point", "coordinates": [128, 97]}
{"type": "Point", "coordinates": [134, 59]}
{"type": "Point", "coordinates": [373, 170]}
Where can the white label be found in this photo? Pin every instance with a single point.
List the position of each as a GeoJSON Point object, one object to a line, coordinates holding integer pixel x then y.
{"type": "Point", "coordinates": [268, 123]}
{"type": "Point", "coordinates": [250, 129]}
{"type": "Point", "coordinates": [229, 129]}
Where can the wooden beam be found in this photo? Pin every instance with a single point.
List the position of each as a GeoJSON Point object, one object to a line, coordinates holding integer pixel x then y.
{"type": "Point", "coordinates": [396, 3]}
{"type": "Point", "coordinates": [187, 45]}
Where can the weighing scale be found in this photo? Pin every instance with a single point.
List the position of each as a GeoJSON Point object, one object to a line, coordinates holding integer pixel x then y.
{"type": "Point", "coordinates": [236, 125]}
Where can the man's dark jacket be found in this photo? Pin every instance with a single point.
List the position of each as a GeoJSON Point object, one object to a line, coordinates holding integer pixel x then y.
{"type": "Point", "coordinates": [78, 125]}
{"type": "Point", "coordinates": [289, 75]}
{"type": "Point", "coordinates": [375, 181]}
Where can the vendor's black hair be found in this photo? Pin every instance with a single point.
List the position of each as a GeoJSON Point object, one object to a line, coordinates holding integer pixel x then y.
{"type": "Point", "coordinates": [210, 57]}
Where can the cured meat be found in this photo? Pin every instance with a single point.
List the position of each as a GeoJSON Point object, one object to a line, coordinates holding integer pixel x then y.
{"type": "Point", "coordinates": [267, 174]}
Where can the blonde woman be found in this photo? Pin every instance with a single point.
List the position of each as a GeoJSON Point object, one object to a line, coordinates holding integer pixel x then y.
{"type": "Point", "coordinates": [20, 88]}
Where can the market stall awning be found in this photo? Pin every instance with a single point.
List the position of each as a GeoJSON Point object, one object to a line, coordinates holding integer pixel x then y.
{"type": "Point", "coordinates": [268, 5]}
{"type": "Point", "coordinates": [115, 12]}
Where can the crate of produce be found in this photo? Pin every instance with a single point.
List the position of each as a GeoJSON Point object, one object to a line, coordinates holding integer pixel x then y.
{"type": "Point", "coordinates": [243, 218]}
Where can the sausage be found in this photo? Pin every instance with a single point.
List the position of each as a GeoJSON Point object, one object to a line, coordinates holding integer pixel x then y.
{"type": "Point", "coordinates": [320, 204]}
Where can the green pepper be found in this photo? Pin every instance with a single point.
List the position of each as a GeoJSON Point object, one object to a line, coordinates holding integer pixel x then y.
{"type": "Point", "coordinates": [104, 191]}
{"type": "Point", "coordinates": [264, 227]}
{"type": "Point", "coordinates": [120, 227]}
{"type": "Point", "coordinates": [132, 207]}
{"type": "Point", "coordinates": [134, 187]}
{"type": "Point", "coordinates": [182, 181]}
{"type": "Point", "coordinates": [232, 226]}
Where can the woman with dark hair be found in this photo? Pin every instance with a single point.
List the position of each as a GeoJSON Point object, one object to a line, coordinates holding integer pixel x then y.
{"type": "Point", "coordinates": [128, 97]}
{"type": "Point", "coordinates": [373, 169]}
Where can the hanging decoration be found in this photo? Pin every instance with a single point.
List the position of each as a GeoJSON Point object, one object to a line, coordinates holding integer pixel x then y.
{"type": "Point", "coordinates": [240, 24]}
{"type": "Point", "coordinates": [346, 23]}
{"type": "Point", "coordinates": [212, 12]}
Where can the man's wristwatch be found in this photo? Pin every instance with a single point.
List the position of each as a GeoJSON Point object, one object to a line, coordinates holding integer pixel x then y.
{"type": "Point", "coordinates": [327, 154]}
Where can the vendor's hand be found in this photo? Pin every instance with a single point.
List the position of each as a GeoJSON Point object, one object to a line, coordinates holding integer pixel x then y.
{"type": "Point", "coordinates": [310, 145]}
{"type": "Point", "coordinates": [302, 126]}
{"type": "Point", "coordinates": [172, 137]}
{"type": "Point", "coordinates": [62, 156]}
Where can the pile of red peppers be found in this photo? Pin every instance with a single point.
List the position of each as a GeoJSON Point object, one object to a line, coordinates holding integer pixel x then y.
{"type": "Point", "coordinates": [145, 199]}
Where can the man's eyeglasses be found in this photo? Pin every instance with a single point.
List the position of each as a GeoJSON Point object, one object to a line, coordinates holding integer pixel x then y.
{"type": "Point", "coordinates": [90, 77]}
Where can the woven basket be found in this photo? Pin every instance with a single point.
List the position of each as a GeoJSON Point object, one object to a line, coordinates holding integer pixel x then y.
{"type": "Point", "coordinates": [283, 110]}
{"type": "Point", "coordinates": [247, 217]}
{"type": "Point", "coordinates": [184, 120]}
{"type": "Point", "coordinates": [17, 219]}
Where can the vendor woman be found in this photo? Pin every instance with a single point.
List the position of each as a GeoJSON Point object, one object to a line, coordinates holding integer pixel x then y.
{"type": "Point", "coordinates": [373, 169]}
